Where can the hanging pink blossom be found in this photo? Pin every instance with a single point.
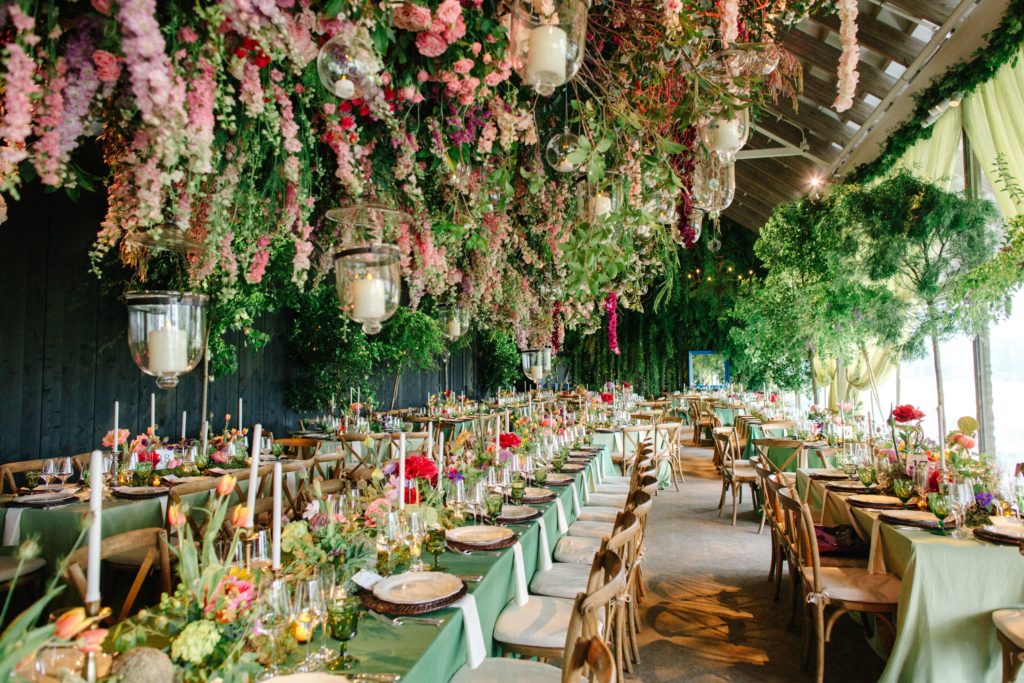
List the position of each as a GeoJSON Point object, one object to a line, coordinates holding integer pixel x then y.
{"type": "Point", "coordinates": [47, 157]}
{"type": "Point", "coordinates": [847, 72]}
{"type": "Point", "coordinates": [83, 84]}
{"type": "Point", "coordinates": [201, 119]}
{"type": "Point", "coordinates": [159, 93]}
{"type": "Point", "coordinates": [108, 66]}
{"type": "Point", "coordinates": [20, 89]}
{"type": "Point", "coordinates": [611, 305]}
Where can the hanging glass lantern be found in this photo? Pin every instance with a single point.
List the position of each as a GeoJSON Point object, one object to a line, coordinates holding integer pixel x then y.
{"type": "Point", "coordinates": [166, 237]}
{"type": "Point", "coordinates": [546, 41]}
{"type": "Point", "coordinates": [454, 321]}
{"type": "Point", "coordinates": [713, 184]}
{"type": "Point", "coordinates": [558, 150]}
{"type": "Point", "coordinates": [686, 235]}
{"type": "Point", "coordinates": [725, 135]}
{"type": "Point", "coordinates": [166, 333]}
{"type": "Point", "coordinates": [596, 203]}
{"type": "Point", "coordinates": [369, 282]}
{"type": "Point", "coordinates": [348, 64]}
{"type": "Point", "coordinates": [536, 364]}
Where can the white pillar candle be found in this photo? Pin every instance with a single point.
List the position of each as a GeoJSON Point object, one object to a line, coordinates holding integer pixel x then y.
{"type": "Point", "coordinates": [275, 557]}
{"type": "Point", "coordinates": [545, 61]}
{"type": "Point", "coordinates": [205, 431]}
{"type": "Point", "coordinates": [536, 373]}
{"type": "Point", "coordinates": [600, 205]}
{"type": "Point", "coordinates": [430, 440]}
{"type": "Point", "coordinates": [508, 414]}
{"type": "Point", "coordinates": [454, 328]}
{"type": "Point", "coordinates": [369, 299]}
{"type": "Point", "coordinates": [401, 471]}
{"type": "Point", "coordinates": [725, 134]}
{"type": "Point", "coordinates": [440, 457]}
{"type": "Point", "coordinates": [184, 420]}
{"type": "Point", "coordinates": [92, 593]}
{"type": "Point", "coordinates": [254, 468]}
{"type": "Point", "coordinates": [168, 350]}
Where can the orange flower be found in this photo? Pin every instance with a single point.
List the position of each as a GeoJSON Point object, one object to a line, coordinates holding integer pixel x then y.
{"type": "Point", "coordinates": [92, 640]}
{"type": "Point", "coordinates": [71, 623]}
{"type": "Point", "coordinates": [240, 516]}
{"type": "Point", "coordinates": [226, 485]}
{"type": "Point", "coordinates": [175, 517]}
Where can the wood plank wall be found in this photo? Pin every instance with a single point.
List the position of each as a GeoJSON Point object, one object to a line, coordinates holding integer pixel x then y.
{"type": "Point", "coordinates": [64, 353]}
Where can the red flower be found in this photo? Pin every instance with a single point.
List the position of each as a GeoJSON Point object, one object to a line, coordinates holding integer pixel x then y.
{"type": "Point", "coordinates": [347, 123]}
{"type": "Point", "coordinates": [241, 53]}
{"type": "Point", "coordinates": [607, 397]}
{"type": "Point", "coordinates": [627, 385]}
{"type": "Point", "coordinates": [421, 467]}
{"type": "Point", "coordinates": [261, 59]}
{"type": "Point", "coordinates": [152, 457]}
{"type": "Point", "coordinates": [906, 413]}
{"type": "Point", "coordinates": [509, 440]}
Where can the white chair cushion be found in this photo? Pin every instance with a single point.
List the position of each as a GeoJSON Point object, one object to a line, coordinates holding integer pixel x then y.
{"type": "Point", "coordinates": [563, 580]}
{"type": "Point", "coordinates": [591, 529]}
{"type": "Point", "coordinates": [9, 565]}
{"type": "Point", "coordinates": [508, 670]}
{"type": "Point", "coordinates": [617, 480]}
{"type": "Point", "coordinates": [615, 500]}
{"type": "Point", "coordinates": [577, 549]}
{"type": "Point", "coordinates": [856, 584]}
{"type": "Point", "coordinates": [597, 513]}
{"type": "Point", "coordinates": [541, 622]}
{"type": "Point", "coordinates": [1010, 623]}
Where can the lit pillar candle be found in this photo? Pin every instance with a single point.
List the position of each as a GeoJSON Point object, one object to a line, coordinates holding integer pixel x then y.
{"type": "Point", "coordinates": [275, 557]}
{"type": "Point", "coordinates": [401, 471]}
{"type": "Point", "coordinates": [168, 350]}
{"type": "Point", "coordinates": [454, 328]}
{"type": "Point", "coordinates": [545, 62]}
{"type": "Point", "coordinates": [536, 373]}
{"type": "Point", "coordinates": [92, 593]}
{"type": "Point", "coordinates": [725, 134]}
{"type": "Point", "coordinates": [152, 412]}
{"type": "Point", "coordinates": [600, 205]}
{"type": "Point", "coordinates": [254, 469]}
{"type": "Point", "coordinates": [368, 298]}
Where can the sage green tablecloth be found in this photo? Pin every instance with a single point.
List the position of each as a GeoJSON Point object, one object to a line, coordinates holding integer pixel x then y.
{"type": "Point", "coordinates": [727, 416]}
{"type": "Point", "coordinates": [613, 441]}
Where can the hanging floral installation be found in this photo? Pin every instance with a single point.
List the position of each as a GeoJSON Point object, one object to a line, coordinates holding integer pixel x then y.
{"type": "Point", "coordinates": [847, 71]}
{"type": "Point", "coordinates": [224, 122]}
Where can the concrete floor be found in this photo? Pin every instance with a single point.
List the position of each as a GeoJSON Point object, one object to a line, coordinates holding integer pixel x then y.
{"type": "Point", "coordinates": [709, 613]}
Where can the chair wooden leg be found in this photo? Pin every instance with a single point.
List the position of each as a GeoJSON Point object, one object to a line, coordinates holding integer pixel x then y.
{"type": "Point", "coordinates": [771, 567]}
{"type": "Point", "coordinates": [778, 574]}
{"type": "Point", "coordinates": [808, 638]}
{"type": "Point", "coordinates": [819, 633]}
{"type": "Point", "coordinates": [734, 503]}
{"type": "Point", "coordinates": [721, 501]}
{"type": "Point", "coordinates": [795, 584]}
{"type": "Point", "coordinates": [634, 642]}
{"type": "Point", "coordinates": [764, 516]}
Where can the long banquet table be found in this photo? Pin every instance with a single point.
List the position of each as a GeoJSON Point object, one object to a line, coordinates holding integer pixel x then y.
{"type": "Point", "coordinates": [949, 589]}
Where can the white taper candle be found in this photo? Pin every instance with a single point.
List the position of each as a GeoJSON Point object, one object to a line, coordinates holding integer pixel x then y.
{"type": "Point", "coordinates": [92, 593]}
{"type": "Point", "coordinates": [275, 557]}
{"type": "Point", "coordinates": [184, 421]}
{"type": "Point", "coordinates": [401, 471]}
{"type": "Point", "coordinates": [152, 411]}
{"type": "Point", "coordinates": [240, 423]}
{"type": "Point", "coordinates": [117, 415]}
{"type": "Point", "coordinates": [254, 476]}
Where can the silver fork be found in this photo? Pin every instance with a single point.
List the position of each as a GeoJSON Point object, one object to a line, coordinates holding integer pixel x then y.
{"type": "Point", "coordinates": [489, 553]}
{"type": "Point", "coordinates": [398, 621]}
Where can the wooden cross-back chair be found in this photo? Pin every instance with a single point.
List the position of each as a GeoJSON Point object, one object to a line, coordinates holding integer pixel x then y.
{"type": "Point", "coordinates": [157, 554]}
{"type": "Point", "coordinates": [179, 493]}
{"type": "Point", "coordinates": [291, 487]}
{"type": "Point", "coordinates": [300, 448]}
{"type": "Point", "coordinates": [329, 466]}
{"type": "Point", "coordinates": [633, 436]}
{"type": "Point", "coordinates": [670, 431]}
{"type": "Point", "coordinates": [8, 482]}
{"type": "Point", "coordinates": [735, 472]}
{"type": "Point", "coordinates": [785, 454]}
{"type": "Point", "coordinates": [702, 419]}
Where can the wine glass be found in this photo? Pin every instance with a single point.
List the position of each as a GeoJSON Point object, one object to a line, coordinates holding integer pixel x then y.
{"type": "Point", "coordinates": [940, 505]}
{"type": "Point", "coordinates": [518, 489]}
{"type": "Point", "coordinates": [388, 537]}
{"type": "Point", "coordinates": [63, 470]}
{"type": "Point", "coordinates": [273, 613]}
{"type": "Point", "coordinates": [903, 488]}
{"type": "Point", "coordinates": [326, 579]}
{"type": "Point", "coordinates": [308, 609]}
{"type": "Point", "coordinates": [414, 536]}
{"type": "Point", "coordinates": [866, 473]}
{"type": "Point", "coordinates": [48, 472]}
{"type": "Point", "coordinates": [962, 497]}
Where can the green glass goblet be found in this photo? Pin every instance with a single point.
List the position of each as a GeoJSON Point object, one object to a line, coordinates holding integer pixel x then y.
{"type": "Point", "coordinates": [866, 474]}
{"type": "Point", "coordinates": [343, 617]}
{"type": "Point", "coordinates": [940, 505]}
{"type": "Point", "coordinates": [903, 488]}
{"type": "Point", "coordinates": [540, 475]}
{"type": "Point", "coordinates": [518, 489]}
{"type": "Point", "coordinates": [494, 502]}
{"type": "Point", "coordinates": [435, 544]}
{"type": "Point", "coordinates": [143, 474]}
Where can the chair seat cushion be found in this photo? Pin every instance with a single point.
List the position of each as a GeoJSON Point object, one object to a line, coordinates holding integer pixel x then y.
{"type": "Point", "coordinates": [576, 549]}
{"type": "Point", "coordinates": [9, 565]}
{"type": "Point", "coordinates": [613, 489]}
{"type": "Point", "coordinates": [856, 584]}
{"type": "Point", "coordinates": [598, 513]}
{"type": "Point", "coordinates": [591, 529]}
{"type": "Point", "coordinates": [563, 580]}
{"type": "Point", "coordinates": [541, 622]}
{"type": "Point", "coordinates": [616, 481]}
{"type": "Point", "coordinates": [1010, 622]}
{"type": "Point", "coordinates": [508, 670]}
{"type": "Point", "coordinates": [614, 500]}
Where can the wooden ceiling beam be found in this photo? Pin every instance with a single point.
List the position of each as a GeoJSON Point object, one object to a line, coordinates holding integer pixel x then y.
{"type": "Point", "coordinates": [935, 11]}
{"type": "Point", "coordinates": [769, 190]}
{"type": "Point", "coordinates": [745, 216]}
{"type": "Point", "coordinates": [818, 123]}
{"type": "Point", "coordinates": [880, 38]}
{"type": "Point", "coordinates": [820, 53]}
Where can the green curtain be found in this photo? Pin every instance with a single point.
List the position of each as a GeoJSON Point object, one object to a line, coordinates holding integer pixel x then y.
{"type": "Point", "coordinates": [994, 122]}
{"type": "Point", "coordinates": [934, 159]}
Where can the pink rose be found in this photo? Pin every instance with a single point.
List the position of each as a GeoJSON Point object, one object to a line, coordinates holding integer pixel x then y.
{"type": "Point", "coordinates": [494, 78]}
{"type": "Point", "coordinates": [108, 68]}
{"type": "Point", "coordinates": [422, 76]}
{"type": "Point", "coordinates": [187, 35]}
{"type": "Point", "coordinates": [101, 6]}
{"type": "Point", "coordinates": [385, 78]}
{"type": "Point", "coordinates": [449, 11]}
{"type": "Point", "coordinates": [475, 48]}
{"type": "Point", "coordinates": [456, 32]}
{"type": "Point", "coordinates": [408, 93]}
{"type": "Point", "coordinates": [463, 66]}
{"type": "Point", "coordinates": [430, 44]}
{"type": "Point", "coordinates": [412, 17]}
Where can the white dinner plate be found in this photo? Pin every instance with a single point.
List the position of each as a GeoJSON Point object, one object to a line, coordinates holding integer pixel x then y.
{"type": "Point", "coordinates": [480, 535]}
{"type": "Point", "coordinates": [558, 478]}
{"type": "Point", "coordinates": [45, 499]}
{"type": "Point", "coordinates": [513, 512]}
{"type": "Point", "coordinates": [416, 588]}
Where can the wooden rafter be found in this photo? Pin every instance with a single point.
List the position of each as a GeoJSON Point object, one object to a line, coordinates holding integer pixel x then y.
{"type": "Point", "coordinates": [818, 52]}
{"type": "Point", "coordinates": [880, 38]}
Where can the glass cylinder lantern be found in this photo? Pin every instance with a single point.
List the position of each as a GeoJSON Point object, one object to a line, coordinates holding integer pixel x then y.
{"type": "Point", "coordinates": [596, 203]}
{"type": "Point", "coordinates": [547, 40]}
{"type": "Point", "coordinates": [454, 322]}
{"type": "Point", "coordinates": [725, 135]}
{"type": "Point", "coordinates": [166, 333]}
{"type": "Point", "coordinates": [369, 282]}
{"type": "Point", "coordinates": [536, 364]}
{"type": "Point", "coordinates": [713, 185]}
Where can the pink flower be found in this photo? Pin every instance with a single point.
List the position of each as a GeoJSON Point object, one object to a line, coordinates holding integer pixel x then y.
{"type": "Point", "coordinates": [449, 11]}
{"type": "Point", "coordinates": [376, 507]}
{"type": "Point", "coordinates": [101, 6]}
{"type": "Point", "coordinates": [457, 30]}
{"type": "Point", "coordinates": [422, 76]}
{"type": "Point", "coordinates": [412, 17]}
{"type": "Point", "coordinates": [463, 66]}
{"type": "Point", "coordinates": [430, 44]}
{"type": "Point", "coordinates": [92, 640]}
{"type": "Point", "coordinates": [187, 35]}
{"type": "Point", "coordinates": [408, 93]}
{"type": "Point", "coordinates": [108, 67]}
{"type": "Point", "coordinates": [475, 48]}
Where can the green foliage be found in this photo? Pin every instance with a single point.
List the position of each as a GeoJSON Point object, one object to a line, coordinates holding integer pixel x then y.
{"type": "Point", "coordinates": [498, 363]}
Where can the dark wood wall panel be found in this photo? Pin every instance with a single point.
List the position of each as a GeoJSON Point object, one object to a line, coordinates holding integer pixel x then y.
{"type": "Point", "coordinates": [64, 354]}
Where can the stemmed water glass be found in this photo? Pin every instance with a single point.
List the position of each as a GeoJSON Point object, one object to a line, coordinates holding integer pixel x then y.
{"type": "Point", "coordinates": [414, 536]}
{"type": "Point", "coordinates": [388, 536]}
{"type": "Point", "coordinates": [962, 497]}
{"type": "Point", "coordinates": [495, 501]}
{"type": "Point", "coordinates": [48, 472]}
{"type": "Point", "coordinates": [308, 612]}
{"type": "Point", "coordinates": [940, 505]}
{"type": "Point", "coordinates": [326, 580]}
{"type": "Point", "coordinates": [63, 470]}
{"type": "Point", "coordinates": [273, 612]}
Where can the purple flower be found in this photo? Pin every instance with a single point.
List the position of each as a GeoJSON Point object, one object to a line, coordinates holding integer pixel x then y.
{"type": "Point", "coordinates": [984, 499]}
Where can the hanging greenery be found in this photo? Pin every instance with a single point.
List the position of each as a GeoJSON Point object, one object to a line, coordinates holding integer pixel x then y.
{"type": "Point", "coordinates": [498, 363]}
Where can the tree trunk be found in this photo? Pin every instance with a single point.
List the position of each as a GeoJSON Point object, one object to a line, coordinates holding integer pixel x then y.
{"type": "Point", "coordinates": [394, 389]}
{"type": "Point", "coordinates": [814, 381]}
{"type": "Point", "coordinates": [941, 409]}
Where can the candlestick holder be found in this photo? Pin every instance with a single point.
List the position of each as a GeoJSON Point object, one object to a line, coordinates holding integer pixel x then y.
{"type": "Point", "coordinates": [90, 669]}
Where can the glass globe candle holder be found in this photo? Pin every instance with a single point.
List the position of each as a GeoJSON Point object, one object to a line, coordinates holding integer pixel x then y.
{"type": "Point", "coordinates": [166, 333]}
{"type": "Point", "coordinates": [725, 135]}
{"type": "Point", "coordinates": [534, 364]}
{"type": "Point", "coordinates": [546, 41]}
{"type": "Point", "coordinates": [348, 65]}
{"type": "Point", "coordinates": [455, 322]}
{"type": "Point", "coordinates": [559, 150]}
{"type": "Point", "coordinates": [369, 282]}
